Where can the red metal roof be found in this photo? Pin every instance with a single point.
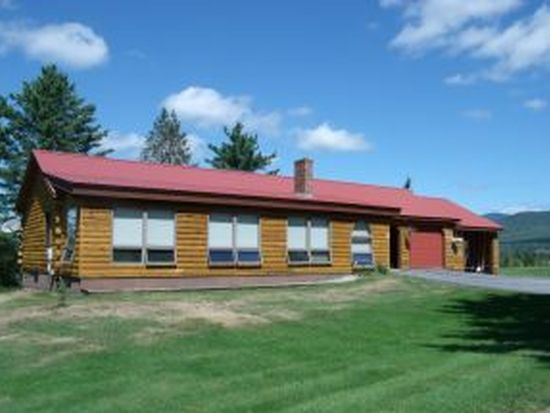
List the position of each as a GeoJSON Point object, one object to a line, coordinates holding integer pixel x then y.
{"type": "Point", "coordinates": [77, 169]}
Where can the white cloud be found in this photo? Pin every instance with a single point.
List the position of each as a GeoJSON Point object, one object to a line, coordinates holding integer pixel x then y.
{"type": "Point", "coordinates": [208, 108]}
{"type": "Point", "coordinates": [124, 145]}
{"type": "Point", "coordinates": [523, 45]}
{"type": "Point", "coordinates": [476, 28]}
{"type": "Point", "coordinates": [459, 79]}
{"type": "Point", "coordinates": [129, 145]}
{"type": "Point", "coordinates": [478, 114]}
{"type": "Point", "coordinates": [430, 22]}
{"type": "Point", "coordinates": [300, 111]}
{"type": "Point", "coordinates": [71, 44]}
{"type": "Point", "coordinates": [198, 147]}
{"type": "Point", "coordinates": [324, 137]}
{"type": "Point", "coordinates": [536, 104]}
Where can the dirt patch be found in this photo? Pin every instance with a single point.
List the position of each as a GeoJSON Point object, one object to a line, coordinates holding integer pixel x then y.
{"type": "Point", "coordinates": [226, 315]}
{"type": "Point", "coordinates": [337, 295]}
{"type": "Point", "coordinates": [167, 312]}
{"type": "Point", "coordinates": [258, 308]}
{"type": "Point", "coordinates": [39, 339]}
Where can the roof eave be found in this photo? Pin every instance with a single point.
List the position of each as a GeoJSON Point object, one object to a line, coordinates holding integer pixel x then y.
{"type": "Point", "coordinates": [229, 200]}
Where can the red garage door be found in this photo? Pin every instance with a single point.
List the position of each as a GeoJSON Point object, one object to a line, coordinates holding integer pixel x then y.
{"type": "Point", "coordinates": [426, 248]}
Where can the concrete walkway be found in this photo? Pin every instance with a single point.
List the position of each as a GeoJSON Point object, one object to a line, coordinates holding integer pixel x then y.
{"type": "Point", "coordinates": [517, 284]}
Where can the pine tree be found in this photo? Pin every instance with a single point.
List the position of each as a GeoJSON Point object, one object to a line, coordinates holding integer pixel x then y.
{"type": "Point", "coordinates": [242, 152]}
{"type": "Point", "coordinates": [166, 142]}
{"type": "Point", "coordinates": [46, 114]}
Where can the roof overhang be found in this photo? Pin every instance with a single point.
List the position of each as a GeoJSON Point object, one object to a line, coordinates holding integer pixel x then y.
{"type": "Point", "coordinates": [28, 183]}
{"type": "Point", "coordinates": [98, 191]}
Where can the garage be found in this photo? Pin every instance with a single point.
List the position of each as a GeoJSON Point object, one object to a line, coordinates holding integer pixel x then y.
{"type": "Point", "coordinates": [426, 248]}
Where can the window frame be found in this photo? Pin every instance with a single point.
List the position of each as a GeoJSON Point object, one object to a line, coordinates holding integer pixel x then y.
{"type": "Point", "coordinates": [308, 250]}
{"type": "Point", "coordinates": [370, 240]}
{"type": "Point", "coordinates": [146, 246]}
{"type": "Point", "coordinates": [144, 261]}
{"type": "Point", "coordinates": [234, 247]}
{"type": "Point", "coordinates": [68, 208]}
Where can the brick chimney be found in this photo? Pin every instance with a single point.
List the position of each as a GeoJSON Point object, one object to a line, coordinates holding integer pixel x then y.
{"type": "Point", "coordinates": [303, 174]}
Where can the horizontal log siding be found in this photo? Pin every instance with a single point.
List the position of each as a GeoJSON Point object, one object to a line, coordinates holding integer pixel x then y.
{"type": "Point", "coordinates": [94, 244]}
{"type": "Point", "coordinates": [404, 248]}
{"type": "Point", "coordinates": [33, 243]}
{"type": "Point", "coordinates": [454, 256]}
{"type": "Point", "coordinates": [381, 243]}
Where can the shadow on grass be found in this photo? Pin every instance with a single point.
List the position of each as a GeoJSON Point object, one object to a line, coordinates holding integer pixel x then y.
{"type": "Point", "coordinates": [502, 324]}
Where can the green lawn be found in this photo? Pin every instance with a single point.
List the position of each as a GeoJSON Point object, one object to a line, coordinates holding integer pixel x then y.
{"type": "Point", "coordinates": [526, 271]}
{"type": "Point", "coordinates": [376, 345]}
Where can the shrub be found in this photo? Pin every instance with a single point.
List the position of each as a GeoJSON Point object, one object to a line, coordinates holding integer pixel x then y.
{"type": "Point", "coordinates": [9, 269]}
{"type": "Point", "coordinates": [382, 269]}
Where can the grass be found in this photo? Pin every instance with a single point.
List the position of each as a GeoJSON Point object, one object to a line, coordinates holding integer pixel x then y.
{"type": "Point", "coordinates": [526, 271]}
{"type": "Point", "coordinates": [379, 344]}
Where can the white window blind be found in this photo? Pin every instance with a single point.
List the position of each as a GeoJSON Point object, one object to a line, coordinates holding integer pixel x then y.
{"type": "Point", "coordinates": [160, 228]}
{"type": "Point", "coordinates": [128, 228]}
{"type": "Point", "coordinates": [361, 248]}
{"type": "Point", "coordinates": [319, 234]}
{"type": "Point", "coordinates": [297, 229]}
{"type": "Point", "coordinates": [247, 232]}
{"type": "Point", "coordinates": [220, 231]}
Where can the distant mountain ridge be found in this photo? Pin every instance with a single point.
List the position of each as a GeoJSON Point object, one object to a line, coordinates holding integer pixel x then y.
{"type": "Point", "coordinates": [528, 230]}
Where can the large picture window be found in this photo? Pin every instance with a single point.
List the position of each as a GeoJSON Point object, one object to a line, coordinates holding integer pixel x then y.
{"type": "Point", "coordinates": [361, 245]}
{"type": "Point", "coordinates": [308, 240]}
{"type": "Point", "coordinates": [233, 239]}
{"type": "Point", "coordinates": [143, 235]}
{"type": "Point", "coordinates": [71, 223]}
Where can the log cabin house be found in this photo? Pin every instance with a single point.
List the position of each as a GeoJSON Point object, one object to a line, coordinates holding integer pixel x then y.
{"type": "Point", "coordinates": [100, 221]}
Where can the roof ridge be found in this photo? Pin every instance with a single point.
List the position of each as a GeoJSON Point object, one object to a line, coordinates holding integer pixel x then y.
{"type": "Point", "coordinates": [395, 188]}
{"type": "Point", "coordinates": [158, 164]}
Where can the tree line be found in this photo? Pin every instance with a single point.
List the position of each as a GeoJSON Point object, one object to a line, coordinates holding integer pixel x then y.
{"type": "Point", "coordinates": [525, 258]}
{"type": "Point", "coordinates": [48, 113]}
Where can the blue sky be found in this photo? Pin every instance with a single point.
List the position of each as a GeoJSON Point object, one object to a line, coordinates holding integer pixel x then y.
{"type": "Point", "coordinates": [451, 92]}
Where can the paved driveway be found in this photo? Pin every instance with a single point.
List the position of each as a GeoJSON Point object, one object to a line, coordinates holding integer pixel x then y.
{"type": "Point", "coordinates": [517, 284]}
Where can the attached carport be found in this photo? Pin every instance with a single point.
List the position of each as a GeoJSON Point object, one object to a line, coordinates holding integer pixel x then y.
{"type": "Point", "coordinates": [434, 233]}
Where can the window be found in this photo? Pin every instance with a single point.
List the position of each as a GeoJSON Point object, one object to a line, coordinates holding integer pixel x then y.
{"type": "Point", "coordinates": [140, 235]}
{"type": "Point", "coordinates": [71, 220]}
{"type": "Point", "coordinates": [361, 245]}
{"type": "Point", "coordinates": [160, 237]}
{"type": "Point", "coordinates": [220, 239]}
{"type": "Point", "coordinates": [233, 239]}
{"type": "Point", "coordinates": [247, 240]}
{"type": "Point", "coordinates": [297, 240]}
{"type": "Point", "coordinates": [308, 241]}
{"type": "Point", "coordinates": [128, 235]}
